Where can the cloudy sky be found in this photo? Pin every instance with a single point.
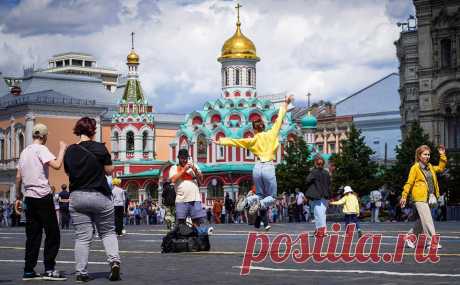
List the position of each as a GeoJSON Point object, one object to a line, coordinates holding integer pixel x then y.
{"type": "Point", "coordinates": [329, 48]}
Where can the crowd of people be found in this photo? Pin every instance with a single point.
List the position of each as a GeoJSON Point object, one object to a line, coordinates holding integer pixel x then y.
{"type": "Point", "coordinates": [96, 203]}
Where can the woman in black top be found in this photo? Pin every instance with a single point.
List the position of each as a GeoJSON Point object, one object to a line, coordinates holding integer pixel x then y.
{"type": "Point", "coordinates": [319, 192]}
{"type": "Point", "coordinates": [86, 163]}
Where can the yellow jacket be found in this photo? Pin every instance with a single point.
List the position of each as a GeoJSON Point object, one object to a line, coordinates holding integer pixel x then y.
{"type": "Point", "coordinates": [416, 181]}
{"type": "Point", "coordinates": [350, 204]}
{"type": "Point", "coordinates": [262, 145]}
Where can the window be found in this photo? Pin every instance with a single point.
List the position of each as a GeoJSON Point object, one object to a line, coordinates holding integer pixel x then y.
{"type": "Point", "coordinates": [249, 76]}
{"type": "Point", "coordinates": [144, 141]}
{"type": "Point", "coordinates": [320, 147]}
{"type": "Point", "coordinates": [237, 77]}
{"type": "Point", "coordinates": [202, 148]}
{"type": "Point", "coordinates": [331, 147]}
{"type": "Point", "coordinates": [446, 53]}
{"type": "Point", "coordinates": [152, 191]}
{"type": "Point", "coordinates": [226, 77]}
{"type": "Point", "coordinates": [130, 142]}
{"type": "Point", "coordinates": [20, 143]}
{"type": "Point", "coordinates": [2, 149]}
{"type": "Point", "coordinates": [215, 189]}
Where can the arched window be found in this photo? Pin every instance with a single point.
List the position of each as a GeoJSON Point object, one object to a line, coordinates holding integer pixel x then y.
{"type": "Point", "coordinates": [202, 148]}
{"type": "Point", "coordinates": [151, 190]}
{"type": "Point", "coordinates": [145, 136]}
{"type": "Point", "coordinates": [215, 189]}
{"type": "Point", "coordinates": [220, 149]}
{"type": "Point", "coordinates": [244, 187]}
{"type": "Point", "coordinates": [21, 143]}
{"type": "Point", "coordinates": [446, 53]}
{"type": "Point", "coordinates": [2, 149]}
{"type": "Point", "coordinates": [132, 190]}
{"type": "Point", "coordinates": [237, 77]}
{"type": "Point", "coordinates": [249, 77]}
{"type": "Point", "coordinates": [130, 142]}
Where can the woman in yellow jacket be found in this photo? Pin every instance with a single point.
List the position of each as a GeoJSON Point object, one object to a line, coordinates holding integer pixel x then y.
{"type": "Point", "coordinates": [263, 145]}
{"type": "Point", "coordinates": [350, 208]}
{"type": "Point", "coordinates": [422, 183]}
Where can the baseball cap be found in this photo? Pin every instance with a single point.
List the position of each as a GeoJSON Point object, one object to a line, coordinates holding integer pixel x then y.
{"type": "Point", "coordinates": [40, 130]}
{"type": "Point", "coordinates": [183, 153]}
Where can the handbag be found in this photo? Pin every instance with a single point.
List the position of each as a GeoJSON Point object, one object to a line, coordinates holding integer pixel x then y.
{"type": "Point", "coordinates": [432, 201]}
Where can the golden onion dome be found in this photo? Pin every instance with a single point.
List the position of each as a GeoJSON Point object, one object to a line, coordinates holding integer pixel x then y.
{"type": "Point", "coordinates": [238, 47]}
{"type": "Point", "coordinates": [133, 58]}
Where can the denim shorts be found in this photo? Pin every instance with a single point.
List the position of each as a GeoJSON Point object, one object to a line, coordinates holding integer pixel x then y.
{"type": "Point", "coordinates": [193, 210]}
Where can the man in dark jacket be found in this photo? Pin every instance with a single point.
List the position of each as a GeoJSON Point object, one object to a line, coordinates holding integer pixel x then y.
{"type": "Point", "coordinates": [319, 191]}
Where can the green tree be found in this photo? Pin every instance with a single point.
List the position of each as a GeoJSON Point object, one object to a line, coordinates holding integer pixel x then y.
{"type": "Point", "coordinates": [353, 165]}
{"type": "Point", "coordinates": [295, 167]}
{"type": "Point", "coordinates": [396, 175]}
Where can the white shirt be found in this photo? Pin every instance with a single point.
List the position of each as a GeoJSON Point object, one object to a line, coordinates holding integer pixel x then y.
{"type": "Point", "coordinates": [300, 197]}
{"type": "Point", "coordinates": [186, 190]}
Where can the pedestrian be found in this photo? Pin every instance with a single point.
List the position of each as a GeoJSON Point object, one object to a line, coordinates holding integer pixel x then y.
{"type": "Point", "coordinates": [423, 186]}
{"type": "Point", "coordinates": [209, 215]}
{"type": "Point", "coordinates": [185, 176]}
{"type": "Point", "coordinates": [375, 198]}
{"type": "Point", "coordinates": [319, 192]}
{"type": "Point", "coordinates": [86, 163]}
{"type": "Point", "coordinates": [300, 199]}
{"type": "Point", "coordinates": [217, 209]}
{"type": "Point", "coordinates": [229, 205]}
{"type": "Point", "coordinates": [392, 203]}
{"type": "Point", "coordinates": [56, 204]}
{"type": "Point", "coordinates": [169, 201]}
{"type": "Point", "coordinates": [350, 208]}
{"type": "Point", "coordinates": [32, 174]}
{"type": "Point", "coordinates": [6, 214]}
{"type": "Point", "coordinates": [64, 200]}
{"type": "Point", "coordinates": [442, 202]}
{"type": "Point", "coordinates": [263, 145]}
{"type": "Point", "coordinates": [119, 200]}
{"type": "Point", "coordinates": [306, 211]}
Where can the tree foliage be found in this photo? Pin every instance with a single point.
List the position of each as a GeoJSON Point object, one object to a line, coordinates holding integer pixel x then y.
{"type": "Point", "coordinates": [397, 174]}
{"type": "Point", "coordinates": [292, 172]}
{"type": "Point", "coordinates": [353, 165]}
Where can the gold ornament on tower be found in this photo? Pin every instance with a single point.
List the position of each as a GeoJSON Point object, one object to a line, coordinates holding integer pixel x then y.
{"type": "Point", "coordinates": [132, 58]}
{"type": "Point", "coordinates": [238, 46]}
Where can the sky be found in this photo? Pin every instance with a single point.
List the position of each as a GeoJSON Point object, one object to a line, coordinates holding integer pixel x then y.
{"type": "Point", "coordinates": [328, 48]}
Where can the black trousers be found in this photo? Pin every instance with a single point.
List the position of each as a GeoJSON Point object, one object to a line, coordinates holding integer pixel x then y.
{"type": "Point", "coordinates": [261, 217]}
{"type": "Point", "coordinates": [40, 215]}
{"type": "Point", "coordinates": [119, 212]}
{"type": "Point", "coordinates": [65, 219]}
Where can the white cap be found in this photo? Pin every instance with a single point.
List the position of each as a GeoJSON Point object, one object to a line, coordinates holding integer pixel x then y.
{"type": "Point", "coordinates": [347, 189]}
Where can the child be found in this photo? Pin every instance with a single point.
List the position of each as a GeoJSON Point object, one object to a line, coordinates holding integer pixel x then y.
{"type": "Point", "coordinates": [350, 208]}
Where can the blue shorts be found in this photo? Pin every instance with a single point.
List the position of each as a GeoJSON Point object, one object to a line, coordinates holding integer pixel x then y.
{"type": "Point", "coordinates": [193, 210]}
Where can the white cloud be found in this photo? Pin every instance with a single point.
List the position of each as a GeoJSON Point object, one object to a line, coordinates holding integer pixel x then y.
{"type": "Point", "coordinates": [328, 48]}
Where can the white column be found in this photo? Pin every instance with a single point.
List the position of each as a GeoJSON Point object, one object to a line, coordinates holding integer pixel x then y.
{"type": "Point", "coordinates": [215, 152]}
{"type": "Point", "coordinates": [195, 152]}
{"type": "Point", "coordinates": [12, 192]}
{"type": "Point", "coordinates": [122, 147]}
{"type": "Point", "coordinates": [98, 136]}
{"type": "Point", "coordinates": [324, 141]}
{"type": "Point", "coordinates": [29, 127]}
{"type": "Point", "coordinates": [12, 138]}
{"type": "Point", "coordinates": [138, 151]}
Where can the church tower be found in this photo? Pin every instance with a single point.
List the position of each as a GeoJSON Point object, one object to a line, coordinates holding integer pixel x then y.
{"type": "Point", "coordinates": [133, 128]}
{"type": "Point", "coordinates": [238, 59]}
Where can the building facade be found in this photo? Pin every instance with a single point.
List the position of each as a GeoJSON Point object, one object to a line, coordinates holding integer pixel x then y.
{"type": "Point", "coordinates": [375, 112]}
{"type": "Point", "coordinates": [429, 55]}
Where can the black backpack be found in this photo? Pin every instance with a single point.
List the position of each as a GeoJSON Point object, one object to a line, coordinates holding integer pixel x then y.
{"type": "Point", "coordinates": [169, 195]}
{"type": "Point", "coordinates": [184, 238]}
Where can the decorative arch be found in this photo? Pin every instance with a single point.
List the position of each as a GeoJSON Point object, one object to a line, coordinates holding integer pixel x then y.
{"type": "Point", "coordinates": [132, 190]}
{"type": "Point", "coordinates": [254, 116]}
{"type": "Point", "coordinates": [151, 190]}
{"type": "Point", "coordinates": [215, 187]}
{"type": "Point", "coordinates": [237, 93]}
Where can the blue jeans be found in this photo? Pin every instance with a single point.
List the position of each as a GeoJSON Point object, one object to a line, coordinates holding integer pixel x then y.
{"type": "Point", "coordinates": [265, 179]}
{"type": "Point", "coordinates": [319, 209]}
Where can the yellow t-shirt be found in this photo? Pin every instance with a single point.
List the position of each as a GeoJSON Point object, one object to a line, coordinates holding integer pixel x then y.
{"type": "Point", "coordinates": [264, 144]}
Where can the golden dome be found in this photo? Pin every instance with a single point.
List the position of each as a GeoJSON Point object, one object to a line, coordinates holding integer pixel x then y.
{"type": "Point", "coordinates": [133, 58]}
{"type": "Point", "coordinates": [238, 46]}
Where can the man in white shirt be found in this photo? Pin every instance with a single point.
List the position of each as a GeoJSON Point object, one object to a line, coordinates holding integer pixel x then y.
{"type": "Point", "coordinates": [300, 198]}
{"type": "Point", "coordinates": [185, 176]}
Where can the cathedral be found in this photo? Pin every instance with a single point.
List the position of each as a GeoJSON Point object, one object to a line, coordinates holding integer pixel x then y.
{"type": "Point", "coordinates": [226, 169]}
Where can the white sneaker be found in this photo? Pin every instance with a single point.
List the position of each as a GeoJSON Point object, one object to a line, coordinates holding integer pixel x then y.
{"type": "Point", "coordinates": [123, 231]}
{"type": "Point", "coordinates": [266, 202]}
{"type": "Point", "coordinates": [210, 231]}
{"type": "Point", "coordinates": [267, 228]}
{"type": "Point", "coordinates": [251, 200]}
{"type": "Point", "coordinates": [409, 243]}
